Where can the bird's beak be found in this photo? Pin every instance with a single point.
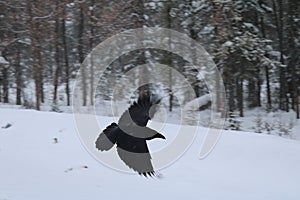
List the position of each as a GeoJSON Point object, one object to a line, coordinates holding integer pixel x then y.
{"type": "Point", "coordinates": [158, 135]}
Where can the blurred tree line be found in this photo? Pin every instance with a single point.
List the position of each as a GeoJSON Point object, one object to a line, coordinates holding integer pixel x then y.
{"type": "Point", "coordinates": [255, 45]}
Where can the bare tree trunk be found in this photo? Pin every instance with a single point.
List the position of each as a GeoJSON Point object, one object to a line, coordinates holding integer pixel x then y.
{"type": "Point", "coordinates": [41, 76]}
{"type": "Point", "coordinates": [144, 89]}
{"type": "Point", "coordinates": [81, 54]}
{"type": "Point", "coordinates": [231, 94]}
{"type": "Point", "coordinates": [171, 91]}
{"type": "Point", "coordinates": [18, 69]}
{"type": "Point", "coordinates": [293, 51]}
{"type": "Point", "coordinates": [37, 80]}
{"type": "Point", "coordinates": [258, 89]}
{"type": "Point", "coordinates": [296, 98]}
{"type": "Point", "coordinates": [5, 83]}
{"type": "Point", "coordinates": [269, 99]}
{"type": "Point", "coordinates": [267, 73]}
{"type": "Point", "coordinates": [278, 16]}
{"type": "Point", "coordinates": [57, 53]}
{"type": "Point", "coordinates": [37, 74]}
{"type": "Point", "coordinates": [66, 57]}
{"type": "Point", "coordinates": [92, 81]}
{"type": "Point", "coordinates": [251, 94]}
{"type": "Point", "coordinates": [169, 59]}
{"type": "Point", "coordinates": [18, 75]}
{"type": "Point", "coordinates": [91, 40]}
{"type": "Point", "coordinates": [34, 52]}
{"type": "Point", "coordinates": [240, 98]}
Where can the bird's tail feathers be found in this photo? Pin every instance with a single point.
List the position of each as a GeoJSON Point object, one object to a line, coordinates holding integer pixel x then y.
{"type": "Point", "coordinates": [107, 138]}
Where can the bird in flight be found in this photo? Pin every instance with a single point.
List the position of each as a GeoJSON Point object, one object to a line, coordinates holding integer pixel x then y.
{"type": "Point", "coordinates": [130, 135]}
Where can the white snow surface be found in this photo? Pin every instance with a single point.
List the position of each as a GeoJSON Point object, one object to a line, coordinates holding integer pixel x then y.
{"type": "Point", "coordinates": [243, 165]}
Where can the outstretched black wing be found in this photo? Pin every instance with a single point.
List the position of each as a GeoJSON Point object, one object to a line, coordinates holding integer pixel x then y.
{"type": "Point", "coordinates": [140, 112]}
{"type": "Point", "coordinates": [135, 154]}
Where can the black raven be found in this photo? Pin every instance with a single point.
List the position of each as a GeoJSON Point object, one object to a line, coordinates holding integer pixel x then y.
{"type": "Point", "coordinates": [131, 134]}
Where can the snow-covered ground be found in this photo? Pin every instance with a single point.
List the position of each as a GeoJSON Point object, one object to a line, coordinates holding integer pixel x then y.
{"type": "Point", "coordinates": [242, 166]}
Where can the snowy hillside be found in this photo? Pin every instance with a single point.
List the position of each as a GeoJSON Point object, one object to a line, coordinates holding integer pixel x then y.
{"type": "Point", "coordinates": [42, 158]}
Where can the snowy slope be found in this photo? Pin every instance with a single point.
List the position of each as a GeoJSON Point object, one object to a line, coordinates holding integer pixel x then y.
{"type": "Point", "coordinates": [242, 166]}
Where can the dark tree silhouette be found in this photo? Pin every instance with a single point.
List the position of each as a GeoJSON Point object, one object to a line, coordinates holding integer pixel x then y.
{"type": "Point", "coordinates": [131, 134]}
